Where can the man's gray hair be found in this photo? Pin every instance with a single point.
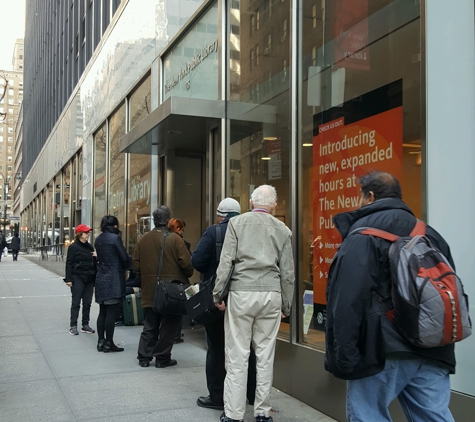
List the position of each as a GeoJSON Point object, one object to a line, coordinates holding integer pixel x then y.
{"type": "Point", "coordinates": [264, 195]}
{"type": "Point", "coordinates": [161, 216]}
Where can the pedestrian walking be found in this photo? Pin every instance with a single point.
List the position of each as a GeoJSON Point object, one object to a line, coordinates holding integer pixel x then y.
{"type": "Point", "coordinates": [15, 245]}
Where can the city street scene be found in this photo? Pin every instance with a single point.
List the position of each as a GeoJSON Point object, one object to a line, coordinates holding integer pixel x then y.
{"type": "Point", "coordinates": [237, 210]}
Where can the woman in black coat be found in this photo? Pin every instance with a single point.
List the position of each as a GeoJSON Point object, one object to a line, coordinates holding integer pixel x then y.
{"type": "Point", "coordinates": [80, 275]}
{"type": "Point", "coordinates": [110, 281]}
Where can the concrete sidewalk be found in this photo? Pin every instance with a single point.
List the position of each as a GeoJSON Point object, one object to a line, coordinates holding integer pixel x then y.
{"type": "Point", "coordinates": [48, 375]}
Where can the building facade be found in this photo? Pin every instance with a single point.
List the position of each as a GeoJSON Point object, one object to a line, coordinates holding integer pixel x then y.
{"type": "Point", "coordinates": [186, 102]}
{"type": "Point", "coordinates": [11, 96]}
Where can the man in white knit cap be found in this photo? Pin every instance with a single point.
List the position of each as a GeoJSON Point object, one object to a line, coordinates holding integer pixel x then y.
{"type": "Point", "coordinates": [205, 259]}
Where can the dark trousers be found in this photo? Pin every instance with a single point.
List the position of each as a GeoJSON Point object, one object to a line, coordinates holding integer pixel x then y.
{"type": "Point", "coordinates": [106, 321]}
{"type": "Point", "coordinates": [15, 255]}
{"type": "Point", "coordinates": [215, 369]}
{"type": "Point", "coordinates": [82, 289]}
{"type": "Point", "coordinates": [157, 336]}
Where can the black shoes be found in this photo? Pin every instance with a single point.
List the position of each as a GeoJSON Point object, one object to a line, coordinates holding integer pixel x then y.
{"type": "Point", "coordinates": [109, 346]}
{"type": "Point", "coordinates": [208, 403]}
{"type": "Point", "coordinates": [74, 331]}
{"type": "Point", "coordinates": [261, 418]}
{"type": "Point", "coordinates": [100, 345]}
{"type": "Point", "coordinates": [224, 418]}
{"type": "Point", "coordinates": [171, 362]}
{"type": "Point", "coordinates": [86, 329]}
{"type": "Point", "coordinates": [144, 363]}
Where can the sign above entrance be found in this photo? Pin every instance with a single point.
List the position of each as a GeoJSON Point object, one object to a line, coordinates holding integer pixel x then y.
{"type": "Point", "coordinates": [190, 69]}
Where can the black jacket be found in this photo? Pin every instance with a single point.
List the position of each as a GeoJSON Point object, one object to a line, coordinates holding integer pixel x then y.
{"type": "Point", "coordinates": [3, 241]}
{"type": "Point", "coordinates": [15, 243]}
{"type": "Point", "coordinates": [79, 260]}
{"type": "Point", "coordinates": [203, 258]}
{"type": "Point", "coordinates": [113, 260]}
{"type": "Point", "coordinates": [358, 333]}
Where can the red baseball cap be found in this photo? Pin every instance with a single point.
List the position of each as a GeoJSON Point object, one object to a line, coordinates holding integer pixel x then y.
{"type": "Point", "coordinates": [82, 228]}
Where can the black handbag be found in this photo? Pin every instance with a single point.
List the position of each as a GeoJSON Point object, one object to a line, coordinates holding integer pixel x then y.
{"type": "Point", "coordinates": [200, 307]}
{"type": "Point", "coordinates": [170, 297]}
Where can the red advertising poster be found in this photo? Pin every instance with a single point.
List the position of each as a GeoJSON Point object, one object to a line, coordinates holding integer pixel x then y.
{"type": "Point", "coordinates": [351, 34]}
{"type": "Point", "coordinates": [366, 137]}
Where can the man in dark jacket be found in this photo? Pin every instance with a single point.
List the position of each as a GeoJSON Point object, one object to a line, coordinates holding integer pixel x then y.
{"type": "Point", "coordinates": [159, 330]}
{"type": "Point", "coordinates": [15, 245]}
{"type": "Point", "coordinates": [362, 344]}
{"type": "Point", "coordinates": [204, 259]}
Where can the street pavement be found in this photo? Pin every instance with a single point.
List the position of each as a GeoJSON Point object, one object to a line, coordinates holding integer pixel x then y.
{"type": "Point", "coordinates": [48, 375]}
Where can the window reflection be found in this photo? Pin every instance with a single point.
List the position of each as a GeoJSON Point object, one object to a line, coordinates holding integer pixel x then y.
{"type": "Point", "coordinates": [259, 144]}
{"type": "Point", "coordinates": [116, 203]}
{"type": "Point", "coordinates": [139, 102]}
{"type": "Point", "coordinates": [360, 60]}
{"type": "Point", "coordinates": [99, 209]}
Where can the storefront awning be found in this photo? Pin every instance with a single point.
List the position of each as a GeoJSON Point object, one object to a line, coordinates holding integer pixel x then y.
{"type": "Point", "coordinates": [181, 123]}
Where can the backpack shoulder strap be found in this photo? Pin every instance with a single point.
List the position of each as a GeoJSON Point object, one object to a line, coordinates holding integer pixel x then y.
{"type": "Point", "coordinates": [419, 229]}
{"type": "Point", "coordinates": [219, 243]}
{"type": "Point", "coordinates": [370, 231]}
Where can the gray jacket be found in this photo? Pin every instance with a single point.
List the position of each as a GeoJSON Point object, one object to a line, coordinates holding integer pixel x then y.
{"type": "Point", "coordinates": [261, 246]}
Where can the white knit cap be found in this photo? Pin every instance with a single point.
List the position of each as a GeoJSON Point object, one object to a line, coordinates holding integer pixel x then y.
{"type": "Point", "coordinates": [228, 205]}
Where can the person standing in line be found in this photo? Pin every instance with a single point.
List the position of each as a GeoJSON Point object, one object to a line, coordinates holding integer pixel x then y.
{"type": "Point", "coordinates": [80, 277]}
{"type": "Point", "coordinates": [204, 260]}
{"type": "Point", "coordinates": [159, 330]}
{"type": "Point", "coordinates": [363, 346]}
{"type": "Point", "coordinates": [110, 281]}
{"type": "Point", "coordinates": [261, 292]}
{"type": "Point", "coordinates": [15, 246]}
{"type": "Point", "coordinates": [178, 226]}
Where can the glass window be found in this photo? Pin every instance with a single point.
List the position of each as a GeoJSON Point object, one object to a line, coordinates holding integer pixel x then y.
{"type": "Point", "coordinates": [259, 147]}
{"type": "Point", "coordinates": [100, 159]}
{"type": "Point", "coordinates": [359, 69]}
{"type": "Point", "coordinates": [139, 210]}
{"type": "Point", "coordinates": [66, 225]}
{"type": "Point", "coordinates": [116, 203]}
{"type": "Point", "coordinates": [139, 102]}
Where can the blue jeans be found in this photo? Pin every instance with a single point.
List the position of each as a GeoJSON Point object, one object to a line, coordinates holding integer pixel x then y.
{"type": "Point", "coordinates": [422, 388]}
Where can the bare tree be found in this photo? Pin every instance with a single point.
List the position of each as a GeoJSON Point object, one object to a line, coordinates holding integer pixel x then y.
{"type": "Point", "coordinates": [2, 94]}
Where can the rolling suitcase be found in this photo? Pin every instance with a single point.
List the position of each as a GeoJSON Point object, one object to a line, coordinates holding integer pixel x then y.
{"type": "Point", "coordinates": [132, 309]}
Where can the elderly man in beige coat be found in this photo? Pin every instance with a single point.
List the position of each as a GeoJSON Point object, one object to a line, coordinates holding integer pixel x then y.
{"type": "Point", "coordinates": [262, 287]}
{"type": "Point", "coordinates": [159, 330]}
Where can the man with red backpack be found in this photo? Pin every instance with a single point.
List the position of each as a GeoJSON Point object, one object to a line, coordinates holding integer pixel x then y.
{"type": "Point", "coordinates": [363, 344]}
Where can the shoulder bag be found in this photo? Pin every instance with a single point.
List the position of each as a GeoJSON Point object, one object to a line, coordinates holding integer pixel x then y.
{"type": "Point", "coordinates": [200, 307]}
{"type": "Point", "coordinates": [170, 297]}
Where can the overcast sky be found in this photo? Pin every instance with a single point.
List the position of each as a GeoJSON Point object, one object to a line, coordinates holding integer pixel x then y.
{"type": "Point", "coordinates": [12, 26]}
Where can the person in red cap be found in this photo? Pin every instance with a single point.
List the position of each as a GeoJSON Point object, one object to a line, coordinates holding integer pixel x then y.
{"type": "Point", "coordinates": [80, 277]}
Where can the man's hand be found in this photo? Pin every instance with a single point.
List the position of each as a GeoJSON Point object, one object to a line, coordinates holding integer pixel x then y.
{"type": "Point", "coordinates": [221, 306]}
{"type": "Point", "coordinates": [69, 284]}
{"type": "Point", "coordinates": [282, 316]}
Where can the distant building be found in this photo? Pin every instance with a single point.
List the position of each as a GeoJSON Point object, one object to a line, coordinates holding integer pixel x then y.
{"type": "Point", "coordinates": [18, 55]}
{"type": "Point", "coordinates": [11, 87]}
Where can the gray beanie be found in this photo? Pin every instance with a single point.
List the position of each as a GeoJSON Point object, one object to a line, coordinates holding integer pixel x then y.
{"type": "Point", "coordinates": [228, 205]}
